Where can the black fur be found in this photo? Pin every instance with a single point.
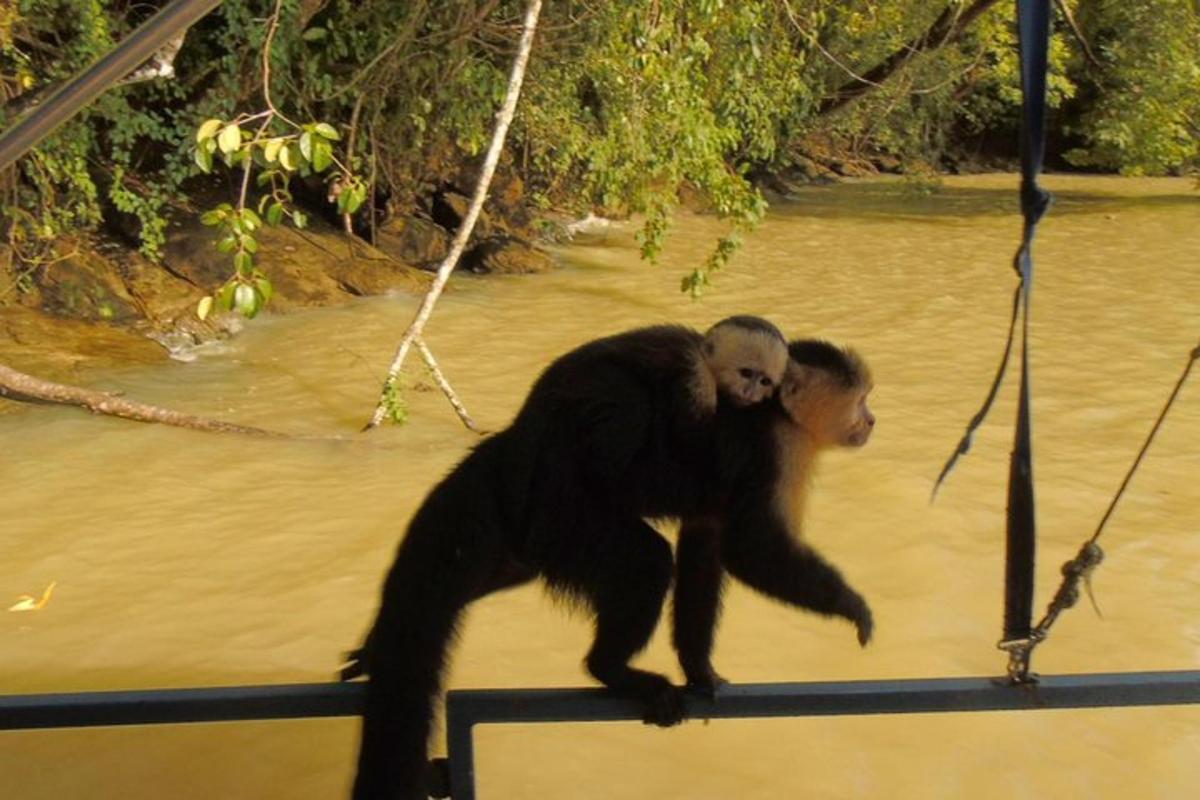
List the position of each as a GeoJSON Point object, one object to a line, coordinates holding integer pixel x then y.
{"type": "Point", "coordinates": [752, 323]}
{"type": "Point", "coordinates": [829, 357]}
{"type": "Point", "coordinates": [603, 440]}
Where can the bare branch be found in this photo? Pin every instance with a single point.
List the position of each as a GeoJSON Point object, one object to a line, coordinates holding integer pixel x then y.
{"type": "Point", "coordinates": [503, 120]}
{"type": "Point", "coordinates": [20, 387]}
{"type": "Point", "coordinates": [440, 379]}
{"type": "Point", "coordinates": [947, 28]}
{"type": "Point", "coordinates": [1079, 37]}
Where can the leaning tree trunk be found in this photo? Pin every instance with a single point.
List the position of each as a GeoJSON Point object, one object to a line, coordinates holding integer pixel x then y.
{"type": "Point", "coordinates": [417, 326]}
{"type": "Point", "coordinates": [20, 387]}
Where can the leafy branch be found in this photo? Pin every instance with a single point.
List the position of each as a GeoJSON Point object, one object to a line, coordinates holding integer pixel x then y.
{"type": "Point", "coordinates": [292, 149]}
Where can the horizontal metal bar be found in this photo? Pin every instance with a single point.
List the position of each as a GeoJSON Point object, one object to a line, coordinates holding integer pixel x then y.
{"type": "Point", "coordinates": [465, 709]}
{"type": "Point", "coordinates": [468, 707]}
{"type": "Point", "coordinates": [169, 706]}
{"type": "Point", "coordinates": [923, 695]}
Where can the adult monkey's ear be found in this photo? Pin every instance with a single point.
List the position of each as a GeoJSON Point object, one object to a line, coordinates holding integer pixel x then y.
{"type": "Point", "coordinates": [798, 381]}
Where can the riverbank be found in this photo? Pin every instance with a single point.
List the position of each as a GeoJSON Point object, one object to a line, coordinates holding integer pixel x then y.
{"type": "Point", "coordinates": [103, 304]}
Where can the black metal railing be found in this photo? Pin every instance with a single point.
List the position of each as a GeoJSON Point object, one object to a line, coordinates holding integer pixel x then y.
{"type": "Point", "coordinates": [467, 708]}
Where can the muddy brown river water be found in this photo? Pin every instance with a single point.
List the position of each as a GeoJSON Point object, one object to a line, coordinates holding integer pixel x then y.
{"type": "Point", "coordinates": [187, 559]}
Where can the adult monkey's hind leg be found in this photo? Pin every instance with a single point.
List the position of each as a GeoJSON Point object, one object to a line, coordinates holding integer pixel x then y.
{"type": "Point", "coordinates": [699, 579]}
{"type": "Point", "coordinates": [627, 586]}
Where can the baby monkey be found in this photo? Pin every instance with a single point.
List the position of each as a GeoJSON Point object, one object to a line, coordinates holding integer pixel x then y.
{"type": "Point", "coordinates": [742, 358]}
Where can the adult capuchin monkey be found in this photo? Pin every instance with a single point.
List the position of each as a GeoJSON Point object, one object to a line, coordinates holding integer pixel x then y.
{"type": "Point", "coordinates": [601, 442]}
{"type": "Point", "coordinates": [620, 408]}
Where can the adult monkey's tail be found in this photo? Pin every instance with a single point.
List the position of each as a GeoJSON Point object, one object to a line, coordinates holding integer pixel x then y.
{"type": "Point", "coordinates": [406, 656]}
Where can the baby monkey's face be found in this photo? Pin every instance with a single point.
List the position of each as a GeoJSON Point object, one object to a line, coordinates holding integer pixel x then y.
{"type": "Point", "coordinates": [748, 366]}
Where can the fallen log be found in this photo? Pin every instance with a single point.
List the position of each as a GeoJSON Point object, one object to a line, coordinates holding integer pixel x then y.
{"type": "Point", "coordinates": [19, 387]}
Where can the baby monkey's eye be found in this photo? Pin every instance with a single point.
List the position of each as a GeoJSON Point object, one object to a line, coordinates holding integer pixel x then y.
{"type": "Point", "coordinates": [765, 381]}
{"type": "Point", "coordinates": [746, 373]}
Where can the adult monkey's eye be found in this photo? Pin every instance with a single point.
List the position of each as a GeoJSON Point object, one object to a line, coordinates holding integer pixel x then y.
{"type": "Point", "coordinates": [765, 381]}
{"type": "Point", "coordinates": [746, 373]}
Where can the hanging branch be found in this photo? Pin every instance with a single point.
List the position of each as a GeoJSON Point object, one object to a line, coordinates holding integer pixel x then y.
{"type": "Point", "coordinates": [1078, 32]}
{"type": "Point", "coordinates": [946, 29]}
{"type": "Point", "coordinates": [417, 326]}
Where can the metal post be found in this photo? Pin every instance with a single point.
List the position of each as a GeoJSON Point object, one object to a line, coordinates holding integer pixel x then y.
{"type": "Point", "coordinates": [89, 84]}
{"type": "Point", "coordinates": [460, 744]}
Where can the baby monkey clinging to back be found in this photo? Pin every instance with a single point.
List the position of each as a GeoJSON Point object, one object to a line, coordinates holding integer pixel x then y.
{"type": "Point", "coordinates": [743, 358]}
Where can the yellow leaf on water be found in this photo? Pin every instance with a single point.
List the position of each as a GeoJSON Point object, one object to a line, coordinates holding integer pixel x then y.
{"type": "Point", "coordinates": [27, 602]}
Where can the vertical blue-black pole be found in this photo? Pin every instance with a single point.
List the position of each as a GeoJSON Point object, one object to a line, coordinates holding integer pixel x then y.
{"type": "Point", "coordinates": [1033, 18]}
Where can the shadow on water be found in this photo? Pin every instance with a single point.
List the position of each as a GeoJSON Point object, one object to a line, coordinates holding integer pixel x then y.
{"type": "Point", "coordinates": [900, 199]}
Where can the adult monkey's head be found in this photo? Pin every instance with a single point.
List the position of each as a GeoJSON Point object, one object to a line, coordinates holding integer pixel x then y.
{"type": "Point", "coordinates": [825, 390]}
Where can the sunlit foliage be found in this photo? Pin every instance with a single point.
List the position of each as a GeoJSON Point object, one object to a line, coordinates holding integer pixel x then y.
{"type": "Point", "coordinates": [625, 104]}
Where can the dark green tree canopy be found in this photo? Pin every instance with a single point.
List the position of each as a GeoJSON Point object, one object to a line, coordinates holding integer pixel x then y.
{"type": "Point", "coordinates": [624, 103]}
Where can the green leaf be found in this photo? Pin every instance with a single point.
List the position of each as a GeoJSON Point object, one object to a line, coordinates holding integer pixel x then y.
{"type": "Point", "coordinates": [212, 217]}
{"type": "Point", "coordinates": [265, 289]}
{"type": "Point", "coordinates": [250, 244]}
{"type": "Point", "coordinates": [250, 220]}
{"type": "Point", "coordinates": [275, 213]}
{"type": "Point", "coordinates": [322, 155]}
{"type": "Point", "coordinates": [314, 34]}
{"type": "Point", "coordinates": [243, 262]}
{"type": "Point", "coordinates": [203, 159]}
{"type": "Point", "coordinates": [358, 195]}
{"type": "Point", "coordinates": [208, 129]}
{"type": "Point", "coordinates": [327, 130]}
{"type": "Point", "coordinates": [230, 139]}
{"type": "Point", "coordinates": [287, 157]}
{"type": "Point", "coordinates": [246, 300]}
{"type": "Point", "coordinates": [272, 148]}
{"type": "Point", "coordinates": [299, 218]}
{"type": "Point", "coordinates": [204, 307]}
{"type": "Point", "coordinates": [306, 145]}
{"type": "Point", "coordinates": [227, 245]}
{"type": "Point", "coordinates": [225, 296]}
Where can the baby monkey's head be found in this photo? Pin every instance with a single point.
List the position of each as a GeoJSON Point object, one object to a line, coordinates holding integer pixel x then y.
{"type": "Point", "coordinates": [747, 356]}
